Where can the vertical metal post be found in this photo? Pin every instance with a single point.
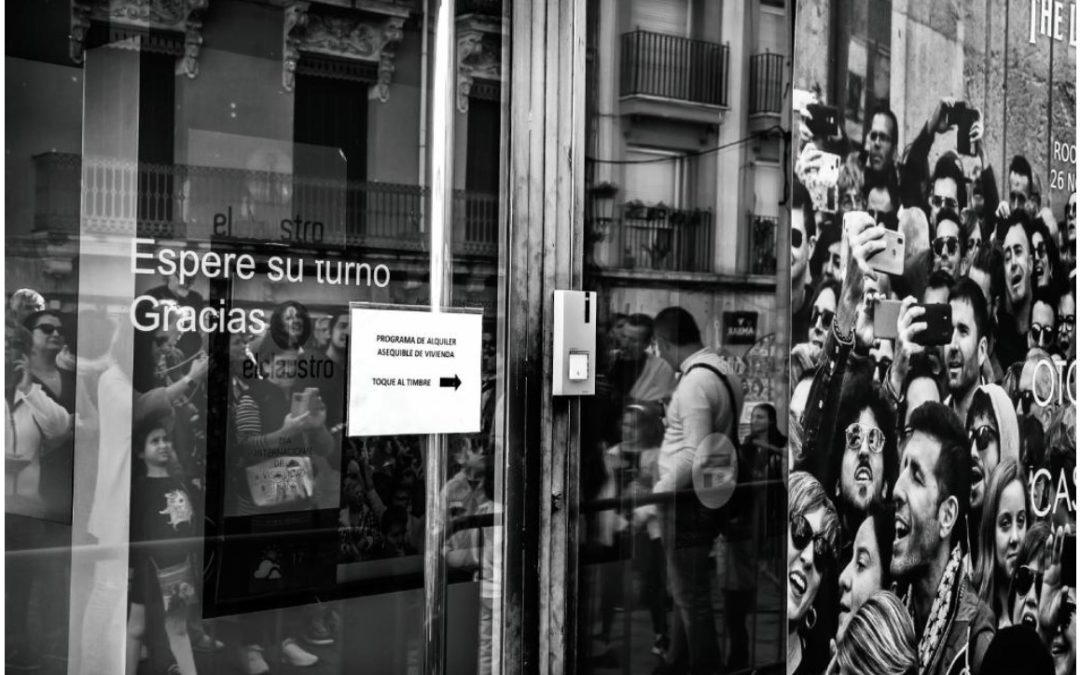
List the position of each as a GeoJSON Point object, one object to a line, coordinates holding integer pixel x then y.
{"type": "Point", "coordinates": [442, 174]}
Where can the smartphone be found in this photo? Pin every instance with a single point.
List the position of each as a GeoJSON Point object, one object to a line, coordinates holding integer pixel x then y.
{"type": "Point", "coordinates": [824, 121]}
{"type": "Point", "coordinates": [886, 314]}
{"type": "Point", "coordinates": [963, 117]}
{"type": "Point", "coordinates": [891, 259]}
{"type": "Point", "coordinates": [301, 402]}
{"type": "Point", "coordinates": [938, 319]}
{"type": "Point", "coordinates": [1068, 561]}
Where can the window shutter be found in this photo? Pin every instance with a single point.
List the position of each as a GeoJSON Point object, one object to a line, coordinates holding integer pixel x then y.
{"type": "Point", "coordinates": [660, 16]}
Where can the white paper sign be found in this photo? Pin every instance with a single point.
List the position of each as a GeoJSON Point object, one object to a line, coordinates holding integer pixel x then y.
{"type": "Point", "coordinates": [413, 372]}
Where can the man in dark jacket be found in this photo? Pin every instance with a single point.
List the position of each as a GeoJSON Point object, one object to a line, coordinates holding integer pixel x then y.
{"type": "Point", "coordinates": [954, 627]}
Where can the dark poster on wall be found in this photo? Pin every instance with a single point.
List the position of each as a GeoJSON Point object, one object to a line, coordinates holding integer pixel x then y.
{"type": "Point", "coordinates": [740, 328]}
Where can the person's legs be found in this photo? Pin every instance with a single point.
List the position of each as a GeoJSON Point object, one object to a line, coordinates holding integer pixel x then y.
{"type": "Point", "coordinates": [737, 607]}
{"type": "Point", "coordinates": [654, 588]}
{"type": "Point", "coordinates": [693, 635]}
{"type": "Point", "coordinates": [179, 641]}
{"type": "Point", "coordinates": [136, 630]}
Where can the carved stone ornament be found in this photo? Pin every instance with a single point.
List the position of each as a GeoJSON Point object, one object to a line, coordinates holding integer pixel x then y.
{"type": "Point", "coordinates": [368, 37]}
{"type": "Point", "coordinates": [296, 20]}
{"type": "Point", "coordinates": [478, 55]}
{"type": "Point", "coordinates": [139, 18]}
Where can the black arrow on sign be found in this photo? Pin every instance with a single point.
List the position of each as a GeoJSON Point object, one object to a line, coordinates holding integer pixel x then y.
{"type": "Point", "coordinates": [454, 382]}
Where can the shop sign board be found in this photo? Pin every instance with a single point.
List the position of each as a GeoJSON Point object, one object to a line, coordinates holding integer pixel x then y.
{"type": "Point", "coordinates": [413, 371]}
{"type": "Point", "coordinates": [740, 328]}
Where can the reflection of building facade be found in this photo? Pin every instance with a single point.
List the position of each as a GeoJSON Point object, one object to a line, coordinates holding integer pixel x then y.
{"type": "Point", "coordinates": [685, 177]}
{"type": "Point", "coordinates": [297, 138]}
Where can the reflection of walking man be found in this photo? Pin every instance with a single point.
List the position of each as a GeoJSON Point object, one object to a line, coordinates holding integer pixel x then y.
{"type": "Point", "coordinates": [702, 404]}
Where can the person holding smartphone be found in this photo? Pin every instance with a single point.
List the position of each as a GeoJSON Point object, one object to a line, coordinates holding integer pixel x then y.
{"type": "Point", "coordinates": [965, 342]}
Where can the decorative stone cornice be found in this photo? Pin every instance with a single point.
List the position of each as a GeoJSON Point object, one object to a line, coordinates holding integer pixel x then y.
{"type": "Point", "coordinates": [479, 47]}
{"type": "Point", "coordinates": [368, 36]}
{"type": "Point", "coordinates": [168, 26]}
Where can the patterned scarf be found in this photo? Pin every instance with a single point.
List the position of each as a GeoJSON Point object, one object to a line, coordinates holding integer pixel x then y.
{"type": "Point", "coordinates": [943, 611]}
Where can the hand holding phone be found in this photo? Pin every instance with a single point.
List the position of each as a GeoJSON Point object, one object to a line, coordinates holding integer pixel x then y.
{"type": "Point", "coordinates": [824, 121]}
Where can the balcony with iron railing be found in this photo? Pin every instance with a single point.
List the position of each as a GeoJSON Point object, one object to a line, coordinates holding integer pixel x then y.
{"type": "Point", "coordinates": [659, 238]}
{"type": "Point", "coordinates": [762, 244]}
{"type": "Point", "coordinates": [766, 84]}
{"type": "Point", "coordinates": [674, 68]}
{"type": "Point", "coordinates": [109, 196]}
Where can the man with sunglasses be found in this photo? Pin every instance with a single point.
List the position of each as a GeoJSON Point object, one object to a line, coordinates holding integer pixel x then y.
{"type": "Point", "coordinates": [948, 246]}
{"type": "Point", "coordinates": [931, 496]}
{"type": "Point", "coordinates": [866, 453]}
{"type": "Point", "coordinates": [1065, 330]}
{"type": "Point", "coordinates": [994, 436]}
{"type": "Point", "coordinates": [1041, 330]}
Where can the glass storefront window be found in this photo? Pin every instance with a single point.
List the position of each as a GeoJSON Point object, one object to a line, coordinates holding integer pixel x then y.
{"type": "Point", "coordinates": [198, 192]}
{"type": "Point", "coordinates": [682, 451]}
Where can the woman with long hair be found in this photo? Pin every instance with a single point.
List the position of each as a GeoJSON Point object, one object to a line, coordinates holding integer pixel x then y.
{"type": "Point", "coordinates": [1004, 524]}
{"type": "Point", "coordinates": [880, 639]}
{"type": "Point", "coordinates": [813, 534]}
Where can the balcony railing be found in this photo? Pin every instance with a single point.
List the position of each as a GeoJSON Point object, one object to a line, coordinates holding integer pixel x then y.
{"type": "Point", "coordinates": [766, 83]}
{"type": "Point", "coordinates": [185, 200]}
{"type": "Point", "coordinates": [668, 66]}
{"type": "Point", "coordinates": [762, 244]}
{"type": "Point", "coordinates": [659, 238]}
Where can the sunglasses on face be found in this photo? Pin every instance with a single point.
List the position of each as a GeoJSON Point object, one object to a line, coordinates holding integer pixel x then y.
{"type": "Point", "coordinates": [1041, 334]}
{"type": "Point", "coordinates": [796, 238]}
{"type": "Point", "coordinates": [982, 436]}
{"type": "Point", "coordinates": [882, 367]}
{"type": "Point", "coordinates": [1026, 399]}
{"type": "Point", "coordinates": [49, 329]}
{"type": "Point", "coordinates": [948, 202]}
{"type": "Point", "coordinates": [824, 316]}
{"type": "Point", "coordinates": [801, 536]}
{"type": "Point", "coordinates": [943, 244]}
{"type": "Point", "coordinates": [1023, 579]}
{"type": "Point", "coordinates": [856, 433]}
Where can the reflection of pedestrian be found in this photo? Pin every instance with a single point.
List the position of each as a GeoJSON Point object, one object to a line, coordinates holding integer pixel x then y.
{"type": "Point", "coordinates": [703, 403]}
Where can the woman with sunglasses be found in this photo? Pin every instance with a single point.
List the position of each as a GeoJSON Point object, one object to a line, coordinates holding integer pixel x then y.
{"type": "Point", "coordinates": [812, 537]}
{"type": "Point", "coordinates": [1026, 582]}
{"type": "Point", "coordinates": [880, 639]}
{"type": "Point", "coordinates": [1005, 518]}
